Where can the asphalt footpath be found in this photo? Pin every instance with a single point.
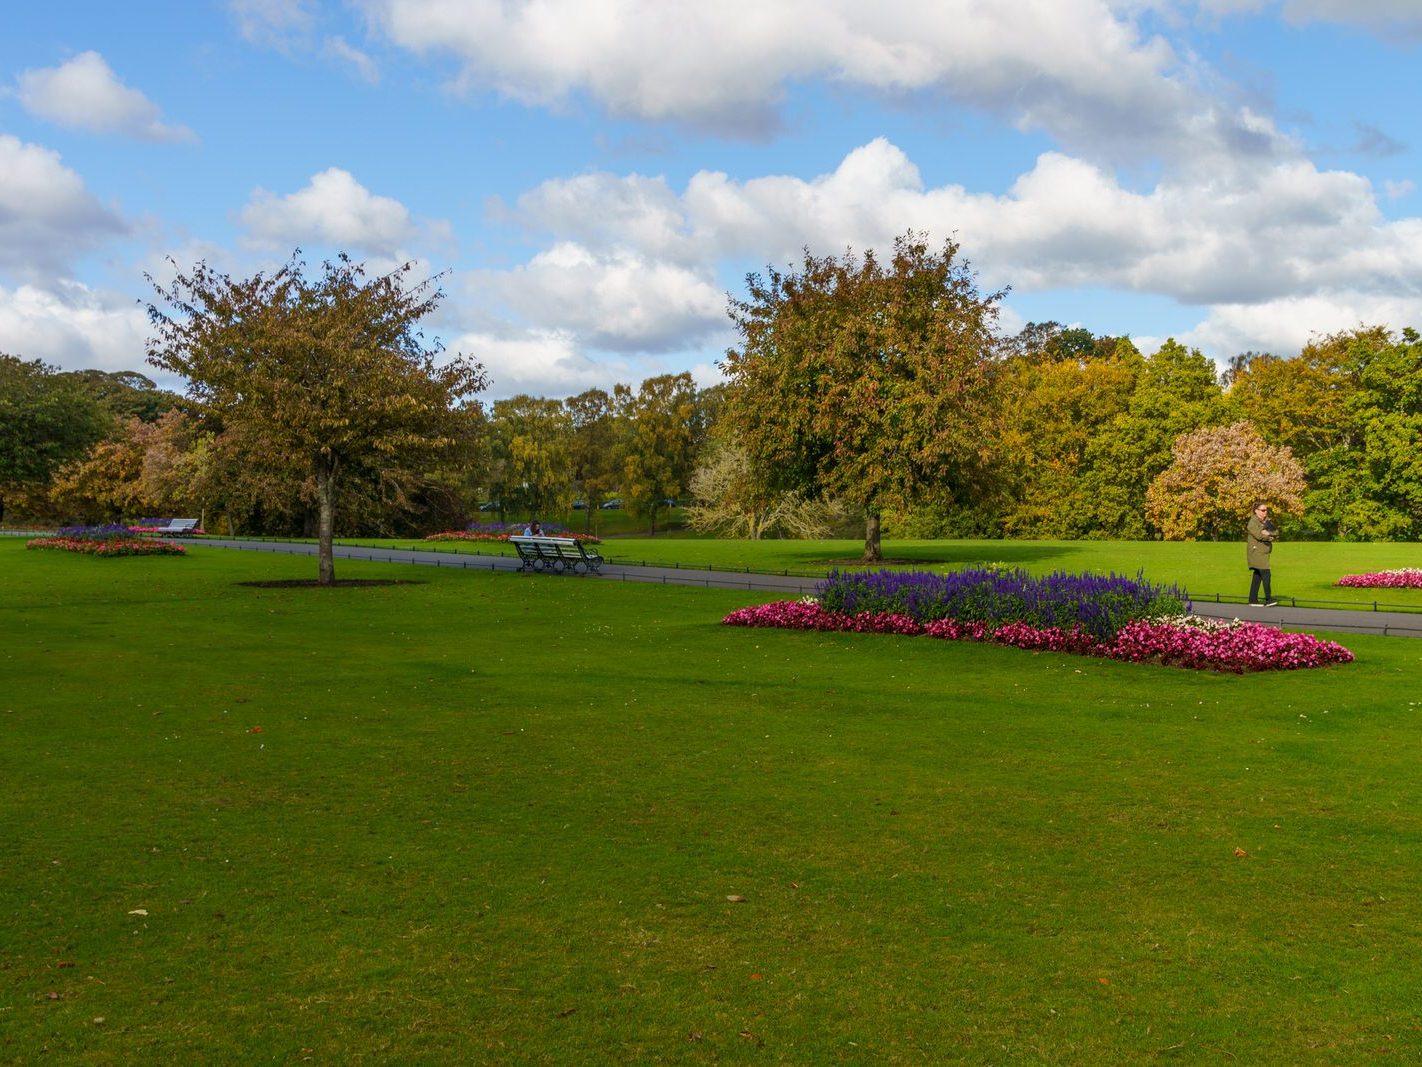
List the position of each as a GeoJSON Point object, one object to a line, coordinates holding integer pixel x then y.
{"type": "Point", "coordinates": [1383, 623]}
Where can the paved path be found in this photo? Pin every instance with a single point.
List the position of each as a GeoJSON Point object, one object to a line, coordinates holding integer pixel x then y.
{"type": "Point", "coordinates": [1387, 623]}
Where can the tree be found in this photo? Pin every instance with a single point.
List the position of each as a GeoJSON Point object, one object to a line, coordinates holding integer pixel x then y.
{"type": "Point", "coordinates": [659, 446]}
{"type": "Point", "coordinates": [1175, 392]}
{"type": "Point", "coordinates": [593, 448]}
{"type": "Point", "coordinates": [46, 420]}
{"type": "Point", "coordinates": [1058, 398]}
{"type": "Point", "coordinates": [327, 375]}
{"type": "Point", "coordinates": [730, 499]}
{"type": "Point", "coordinates": [870, 382]}
{"type": "Point", "coordinates": [532, 439]}
{"type": "Point", "coordinates": [1215, 476]}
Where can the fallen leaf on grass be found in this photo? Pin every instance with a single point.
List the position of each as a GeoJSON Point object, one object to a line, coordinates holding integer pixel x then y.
{"type": "Point", "coordinates": [1240, 853]}
{"type": "Point", "coordinates": [64, 963]}
{"type": "Point", "coordinates": [735, 898]}
{"type": "Point", "coordinates": [757, 977]}
{"type": "Point", "coordinates": [1104, 981]}
{"type": "Point", "coordinates": [139, 911]}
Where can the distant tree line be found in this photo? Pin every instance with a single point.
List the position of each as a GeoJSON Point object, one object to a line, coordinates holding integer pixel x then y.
{"type": "Point", "coordinates": [862, 390]}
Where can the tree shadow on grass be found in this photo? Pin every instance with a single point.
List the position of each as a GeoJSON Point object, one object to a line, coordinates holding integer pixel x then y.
{"type": "Point", "coordinates": [343, 583]}
{"type": "Point", "coordinates": [952, 554]}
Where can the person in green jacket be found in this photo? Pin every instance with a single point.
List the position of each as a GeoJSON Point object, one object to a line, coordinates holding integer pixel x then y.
{"type": "Point", "coordinates": [1260, 540]}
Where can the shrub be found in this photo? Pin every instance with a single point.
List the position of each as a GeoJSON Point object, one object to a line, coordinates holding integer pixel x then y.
{"type": "Point", "coordinates": [108, 545]}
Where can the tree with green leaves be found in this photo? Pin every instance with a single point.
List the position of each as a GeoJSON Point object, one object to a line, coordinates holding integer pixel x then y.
{"type": "Point", "coordinates": [659, 442]}
{"type": "Point", "coordinates": [328, 374]}
{"type": "Point", "coordinates": [1176, 391]}
{"type": "Point", "coordinates": [593, 448]}
{"type": "Point", "coordinates": [531, 440]}
{"type": "Point", "coordinates": [1061, 389]}
{"type": "Point", "coordinates": [47, 419]}
{"type": "Point", "coordinates": [866, 380]}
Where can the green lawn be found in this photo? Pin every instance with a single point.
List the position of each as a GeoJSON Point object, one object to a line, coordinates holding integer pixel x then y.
{"type": "Point", "coordinates": [496, 817]}
{"type": "Point", "coordinates": [1305, 569]}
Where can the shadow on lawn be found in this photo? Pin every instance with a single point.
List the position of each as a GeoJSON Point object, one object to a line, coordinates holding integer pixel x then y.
{"type": "Point", "coordinates": [951, 554]}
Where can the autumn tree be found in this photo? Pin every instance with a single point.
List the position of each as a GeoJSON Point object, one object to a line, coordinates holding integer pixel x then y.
{"type": "Point", "coordinates": [1060, 389]}
{"type": "Point", "coordinates": [531, 440]}
{"type": "Point", "coordinates": [659, 442]}
{"type": "Point", "coordinates": [593, 448]}
{"type": "Point", "coordinates": [46, 420]}
{"type": "Point", "coordinates": [867, 381]}
{"type": "Point", "coordinates": [329, 375]}
{"type": "Point", "coordinates": [1215, 476]}
{"type": "Point", "coordinates": [1175, 392]}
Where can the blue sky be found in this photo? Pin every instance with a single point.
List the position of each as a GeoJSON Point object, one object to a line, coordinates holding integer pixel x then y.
{"type": "Point", "coordinates": [594, 176]}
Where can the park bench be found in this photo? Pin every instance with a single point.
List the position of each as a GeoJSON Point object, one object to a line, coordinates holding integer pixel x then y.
{"type": "Point", "coordinates": [555, 554]}
{"type": "Point", "coordinates": [173, 527]}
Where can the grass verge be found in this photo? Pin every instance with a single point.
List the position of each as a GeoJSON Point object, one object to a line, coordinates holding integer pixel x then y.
{"type": "Point", "coordinates": [499, 817]}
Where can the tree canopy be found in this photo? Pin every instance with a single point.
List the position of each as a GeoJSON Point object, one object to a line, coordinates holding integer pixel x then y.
{"type": "Point", "coordinates": [868, 381]}
{"type": "Point", "coordinates": [327, 374]}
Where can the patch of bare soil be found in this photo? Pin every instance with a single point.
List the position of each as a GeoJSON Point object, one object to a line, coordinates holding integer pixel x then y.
{"type": "Point", "coordinates": [312, 583]}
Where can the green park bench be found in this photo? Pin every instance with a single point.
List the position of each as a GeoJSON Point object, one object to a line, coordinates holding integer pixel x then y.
{"type": "Point", "coordinates": [556, 555]}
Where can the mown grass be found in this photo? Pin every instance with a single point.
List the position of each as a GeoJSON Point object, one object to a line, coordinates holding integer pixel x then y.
{"type": "Point", "coordinates": [1305, 570]}
{"type": "Point", "coordinates": [494, 817]}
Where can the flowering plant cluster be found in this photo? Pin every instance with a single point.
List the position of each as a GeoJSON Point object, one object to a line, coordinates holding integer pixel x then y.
{"type": "Point", "coordinates": [502, 531]}
{"type": "Point", "coordinates": [1177, 641]}
{"type": "Point", "coordinates": [109, 545]}
{"type": "Point", "coordinates": [1405, 578]}
{"type": "Point", "coordinates": [1095, 604]}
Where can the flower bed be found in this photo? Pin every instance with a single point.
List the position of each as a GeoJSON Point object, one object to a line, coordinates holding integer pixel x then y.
{"type": "Point", "coordinates": [108, 546]}
{"type": "Point", "coordinates": [1406, 578]}
{"type": "Point", "coordinates": [1176, 641]}
{"type": "Point", "coordinates": [1096, 604]}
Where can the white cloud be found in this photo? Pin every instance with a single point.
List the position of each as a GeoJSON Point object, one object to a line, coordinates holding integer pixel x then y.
{"type": "Point", "coordinates": [1076, 68]}
{"type": "Point", "coordinates": [333, 209]}
{"type": "Point", "coordinates": [341, 50]}
{"type": "Point", "coordinates": [86, 94]}
{"type": "Point", "coordinates": [1284, 326]}
{"type": "Point", "coordinates": [47, 216]}
{"type": "Point", "coordinates": [538, 362]}
{"type": "Point", "coordinates": [1252, 236]}
{"type": "Point", "coordinates": [73, 326]}
{"type": "Point", "coordinates": [276, 23]}
{"type": "Point", "coordinates": [617, 300]}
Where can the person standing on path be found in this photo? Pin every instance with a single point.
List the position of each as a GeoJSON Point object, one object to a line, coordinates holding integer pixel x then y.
{"type": "Point", "coordinates": [1259, 541]}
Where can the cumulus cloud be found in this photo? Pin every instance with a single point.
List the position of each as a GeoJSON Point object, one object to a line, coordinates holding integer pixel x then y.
{"type": "Point", "coordinates": [1389, 17]}
{"type": "Point", "coordinates": [73, 326]}
{"type": "Point", "coordinates": [1284, 326]}
{"type": "Point", "coordinates": [86, 94]}
{"type": "Point", "coordinates": [539, 362]}
{"type": "Point", "coordinates": [333, 209]}
{"type": "Point", "coordinates": [725, 66]}
{"type": "Point", "coordinates": [1252, 236]}
{"type": "Point", "coordinates": [618, 300]}
{"type": "Point", "coordinates": [47, 216]}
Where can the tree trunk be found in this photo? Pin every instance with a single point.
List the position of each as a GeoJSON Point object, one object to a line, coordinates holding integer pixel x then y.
{"type": "Point", "coordinates": [873, 551]}
{"type": "Point", "coordinates": [326, 519]}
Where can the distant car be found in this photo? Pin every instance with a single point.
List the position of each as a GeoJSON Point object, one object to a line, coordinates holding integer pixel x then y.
{"type": "Point", "coordinates": [580, 505]}
{"type": "Point", "coordinates": [611, 505]}
{"type": "Point", "coordinates": [492, 505]}
{"type": "Point", "coordinates": [670, 502]}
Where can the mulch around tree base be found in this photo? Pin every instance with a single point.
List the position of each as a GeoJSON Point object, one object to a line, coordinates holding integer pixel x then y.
{"type": "Point", "coordinates": [312, 583]}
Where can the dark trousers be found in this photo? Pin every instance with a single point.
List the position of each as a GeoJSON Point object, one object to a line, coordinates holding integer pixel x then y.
{"type": "Point", "coordinates": [1261, 574]}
